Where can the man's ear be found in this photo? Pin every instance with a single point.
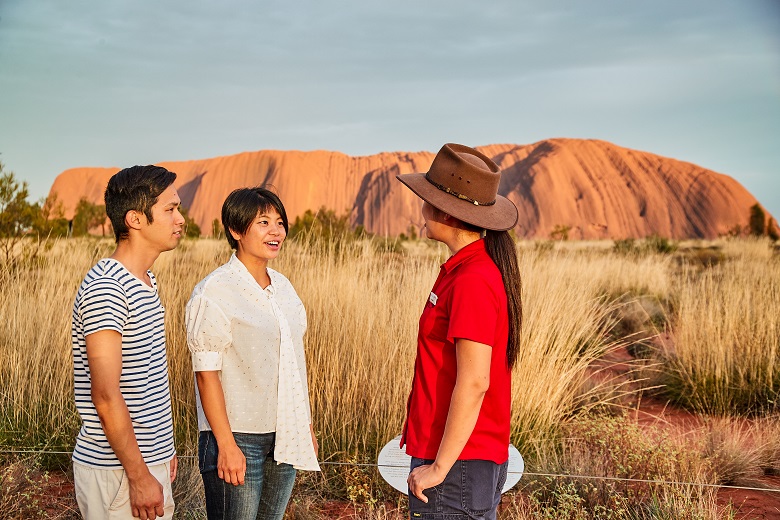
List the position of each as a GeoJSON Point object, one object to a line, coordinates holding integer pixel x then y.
{"type": "Point", "coordinates": [236, 236]}
{"type": "Point", "coordinates": [133, 219]}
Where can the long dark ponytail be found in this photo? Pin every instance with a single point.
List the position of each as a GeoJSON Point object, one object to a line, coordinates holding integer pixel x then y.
{"type": "Point", "coordinates": [501, 249]}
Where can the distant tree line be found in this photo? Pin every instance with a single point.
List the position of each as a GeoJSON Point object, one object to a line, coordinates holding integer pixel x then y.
{"type": "Point", "coordinates": [20, 218]}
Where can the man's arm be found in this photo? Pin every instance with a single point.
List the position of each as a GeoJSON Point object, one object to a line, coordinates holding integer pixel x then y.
{"type": "Point", "coordinates": [471, 384]}
{"type": "Point", "coordinates": [104, 355]}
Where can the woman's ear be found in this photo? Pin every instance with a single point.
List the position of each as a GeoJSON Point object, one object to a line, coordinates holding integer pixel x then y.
{"type": "Point", "coordinates": [236, 236]}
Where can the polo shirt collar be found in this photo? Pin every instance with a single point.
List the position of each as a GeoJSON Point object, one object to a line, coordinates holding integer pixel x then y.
{"type": "Point", "coordinates": [464, 254]}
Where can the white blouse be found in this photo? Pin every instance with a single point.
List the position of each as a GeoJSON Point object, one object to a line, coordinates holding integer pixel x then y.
{"type": "Point", "coordinates": [254, 338]}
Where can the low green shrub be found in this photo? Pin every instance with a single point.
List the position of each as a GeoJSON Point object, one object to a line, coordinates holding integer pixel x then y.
{"type": "Point", "coordinates": [625, 246]}
{"type": "Point", "coordinates": [658, 244]}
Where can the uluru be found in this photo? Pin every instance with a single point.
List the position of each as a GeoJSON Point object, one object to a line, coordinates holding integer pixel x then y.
{"type": "Point", "coordinates": [594, 188]}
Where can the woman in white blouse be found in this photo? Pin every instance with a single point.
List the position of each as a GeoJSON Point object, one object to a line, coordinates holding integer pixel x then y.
{"type": "Point", "coordinates": [245, 326]}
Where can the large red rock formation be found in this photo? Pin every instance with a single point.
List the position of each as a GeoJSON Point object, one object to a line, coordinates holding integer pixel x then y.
{"type": "Point", "coordinates": [597, 189]}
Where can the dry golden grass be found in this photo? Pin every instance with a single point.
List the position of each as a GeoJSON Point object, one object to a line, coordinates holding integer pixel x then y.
{"type": "Point", "coordinates": [768, 438]}
{"type": "Point", "coordinates": [760, 249]}
{"type": "Point", "coordinates": [736, 449]}
{"type": "Point", "coordinates": [363, 307]}
{"type": "Point", "coordinates": [36, 362]}
{"type": "Point", "coordinates": [615, 447]}
{"type": "Point", "coordinates": [726, 355]}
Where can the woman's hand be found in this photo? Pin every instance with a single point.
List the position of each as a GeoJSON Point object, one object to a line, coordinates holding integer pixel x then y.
{"type": "Point", "coordinates": [471, 384]}
{"type": "Point", "coordinates": [231, 464]}
{"type": "Point", "coordinates": [314, 441]}
{"type": "Point", "coordinates": [425, 477]}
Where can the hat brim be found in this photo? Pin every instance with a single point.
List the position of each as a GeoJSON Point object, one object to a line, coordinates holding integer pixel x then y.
{"type": "Point", "coordinates": [497, 217]}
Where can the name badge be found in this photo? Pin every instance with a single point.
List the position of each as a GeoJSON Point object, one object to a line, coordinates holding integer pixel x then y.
{"type": "Point", "coordinates": [433, 299]}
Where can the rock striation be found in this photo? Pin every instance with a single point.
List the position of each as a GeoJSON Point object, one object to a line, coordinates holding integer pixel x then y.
{"type": "Point", "coordinates": [594, 188]}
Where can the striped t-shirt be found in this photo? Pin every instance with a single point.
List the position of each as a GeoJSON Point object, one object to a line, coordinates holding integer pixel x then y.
{"type": "Point", "coordinates": [111, 298]}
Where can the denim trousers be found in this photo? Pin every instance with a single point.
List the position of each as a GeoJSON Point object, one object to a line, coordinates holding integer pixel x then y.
{"type": "Point", "coordinates": [267, 485]}
{"type": "Point", "coordinates": [471, 489]}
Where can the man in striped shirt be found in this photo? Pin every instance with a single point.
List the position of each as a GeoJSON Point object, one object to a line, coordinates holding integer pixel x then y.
{"type": "Point", "coordinates": [124, 460]}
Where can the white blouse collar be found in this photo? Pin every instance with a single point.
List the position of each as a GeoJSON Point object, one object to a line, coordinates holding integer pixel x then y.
{"type": "Point", "coordinates": [238, 267]}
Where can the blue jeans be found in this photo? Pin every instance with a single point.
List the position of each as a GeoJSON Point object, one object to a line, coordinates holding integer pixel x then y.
{"type": "Point", "coordinates": [267, 485]}
{"type": "Point", "coordinates": [472, 489]}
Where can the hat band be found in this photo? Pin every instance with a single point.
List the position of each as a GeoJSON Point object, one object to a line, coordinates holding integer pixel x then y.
{"type": "Point", "coordinates": [445, 189]}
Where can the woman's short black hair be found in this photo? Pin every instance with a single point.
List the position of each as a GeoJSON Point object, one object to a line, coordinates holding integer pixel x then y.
{"type": "Point", "coordinates": [243, 205]}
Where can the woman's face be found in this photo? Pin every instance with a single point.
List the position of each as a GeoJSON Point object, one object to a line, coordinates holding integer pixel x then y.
{"type": "Point", "coordinates": [264, 238]}
{"type": "Point", "coordinates": [432, 218]}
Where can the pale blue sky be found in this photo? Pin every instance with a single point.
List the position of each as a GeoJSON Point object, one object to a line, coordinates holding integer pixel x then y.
{"type": "Point", "coordinates": [122, 83]}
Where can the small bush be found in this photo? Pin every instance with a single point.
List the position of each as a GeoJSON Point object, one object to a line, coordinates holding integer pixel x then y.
{"type": "Point", "coordinates": [767, 438]}
{"type": "Point", "coordinates": [191, 228]}
{"type": "Point", "coordinates": [771, 230]}
{"type": "Point", "coordinates": [759, 224]}
{"type": "Point", "coordinates": [658, 244]}
{"type": "Point", "coordinates": [560, 232]}
{"type": "Point", "coordinates": [625, 246]}
{"type": "Point", "coordinates": [757, 220]}
{"type": "Point", "coordinates": [735, 455]}
{"type": "Point", "coordinates": [216, 229]}
{"type": "Point", "coordinates": [703, 257]}
{"type": "Point", "coordinates": [654, 244]}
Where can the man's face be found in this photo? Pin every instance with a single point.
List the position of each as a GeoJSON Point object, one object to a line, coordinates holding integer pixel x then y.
{"type": "Point", "coordinates": [165, 231]}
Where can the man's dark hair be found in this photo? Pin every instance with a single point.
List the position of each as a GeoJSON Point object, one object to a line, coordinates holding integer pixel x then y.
{"type": "Point", "coordinates": [134, 189]}
{"type": "Point", "coordinates": [243, 205]}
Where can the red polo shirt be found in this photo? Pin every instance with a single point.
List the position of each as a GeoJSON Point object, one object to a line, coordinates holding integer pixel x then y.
{"type": "Point", "coordinates": [468, 301]}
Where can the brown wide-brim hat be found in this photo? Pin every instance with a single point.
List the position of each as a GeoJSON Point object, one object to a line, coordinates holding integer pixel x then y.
{"type": "Point", "coordinates": [463, 183]}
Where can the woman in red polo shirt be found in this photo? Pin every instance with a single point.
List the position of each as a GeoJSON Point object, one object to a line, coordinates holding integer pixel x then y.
{"type": "Point", "coordinates": [458, 414]}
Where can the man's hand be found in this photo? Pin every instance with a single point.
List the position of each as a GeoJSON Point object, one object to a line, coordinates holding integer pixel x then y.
{"type": "Point", "coordinates": [174, 468]}
{"type": "Point", "coordinates": [424, 477]}
{"type": "Point", "coordinates": [231, 464]}
{"type": "Point", "coordinates": [146, 497]}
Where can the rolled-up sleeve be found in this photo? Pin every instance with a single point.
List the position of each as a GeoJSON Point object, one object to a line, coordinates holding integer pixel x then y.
{"type": "Point", "coordinates": [208, 333]}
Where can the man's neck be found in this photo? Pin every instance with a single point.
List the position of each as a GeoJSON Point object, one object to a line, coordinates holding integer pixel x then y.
{"type": "Point", "coordinates": [136, 259]}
